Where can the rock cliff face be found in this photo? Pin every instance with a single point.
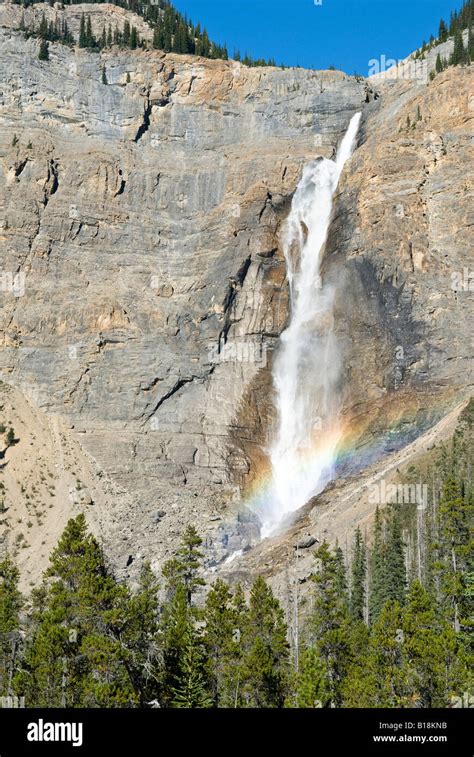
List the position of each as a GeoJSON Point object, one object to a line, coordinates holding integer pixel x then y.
{"type": "Point", "coordinates": [144, 283]}
{"type": "Point", "coordinates": [401, 253]}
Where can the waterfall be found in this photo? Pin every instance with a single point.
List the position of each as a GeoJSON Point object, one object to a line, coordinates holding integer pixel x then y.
{"type": "Point", "coordinates": [306, 367]}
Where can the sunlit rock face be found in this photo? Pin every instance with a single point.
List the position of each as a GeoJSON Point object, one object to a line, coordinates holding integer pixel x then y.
{"type": "Point", "coordinates": [144, 214]}
{"type": "Point", "coordinates": [401, 250]}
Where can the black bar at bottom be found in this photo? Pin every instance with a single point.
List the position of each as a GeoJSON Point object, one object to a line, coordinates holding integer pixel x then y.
{"type": "Point", "coordinates": [101, 732]}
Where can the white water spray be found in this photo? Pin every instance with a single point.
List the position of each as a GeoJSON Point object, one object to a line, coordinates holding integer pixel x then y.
{"type": "Point", "coordinates": [306, 368]}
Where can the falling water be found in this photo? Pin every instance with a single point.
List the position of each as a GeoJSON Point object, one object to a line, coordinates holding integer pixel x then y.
{"type": "Point", "coordinates": [306, 368]}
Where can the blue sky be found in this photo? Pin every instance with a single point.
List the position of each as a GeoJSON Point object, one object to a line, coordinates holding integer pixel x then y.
{"type": "Point", "coordinates": [345, 33]}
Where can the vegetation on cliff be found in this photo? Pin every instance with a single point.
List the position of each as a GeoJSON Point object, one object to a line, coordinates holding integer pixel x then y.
{"type": "Point", "coordinates": [172, 32]}
{"type": "Point", "coordinates": [463, 51]}
{"type": "Point", "coordinates": [459, 20]}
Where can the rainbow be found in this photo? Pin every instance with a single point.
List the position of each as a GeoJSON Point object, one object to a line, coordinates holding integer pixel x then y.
{"type": "Point", "coordinates": [355, 443]}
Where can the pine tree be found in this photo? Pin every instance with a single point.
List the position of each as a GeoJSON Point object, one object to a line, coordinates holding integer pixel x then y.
{"type": "Point", "coordinates": [430, 650]}
{"type": "Point", "coordinates": [178, 615]}
{"type": "Point", "coordinates": [205, 44]}
{"type": "Point", "coordinates": [140, 638]}
{"type": "Point", "coordinates": [439, 64]}
{"type": "Point", "coordinates": [395, 570]}
{"type": "Point", "coordinates": [176, 627]}
{"type": "Point", "coordinates": [459, 52]}
{"type": "Point", "coordinates": [66, 34]}
{"type": "Point", "coordinates": [330, 622]}
{"type": "Point", "coordinates": [443, 31]}
{"type": "Point", "coordinates": [453, 25]}
{"type": "Point", "coordinates": [265, 650]}
{"type": "Point", "coordinates": [222, 642]}
{"type": "Point", "coordinates": [190, 691]}
{"type": "Point", "coordinates": [157, 38]}
{"type": "Point", "coordinates": [104, 76]}
{"type": "Point", "coordinates": [453, 548]}
{"type": "Point", "coordinates": [126, 32]}
{"type": "Point", "coordinates": [179, 42]}
{"type": "Point", "coordinates": [386, 650]}
{"type": "Point", "coordinates": [467, 626]}
{"type": "Point", "coordinates": [43, 53]}
{"type": "Point", "coordinates": [380, 681]}
{"type": "Point", "coordinates": [11, 603]}
{"type": "Point", "coordinates": [82, 32]}
{"type": "Point", "coordinates": [186, 565]}
{"type": "Point", "coordinates": [133, 41]}
{"type": "Point", "coordinates": [341, 577]}
{"type": "Point", "coordinates": [43, 28]}
{"type": "Point", "coordinates": [312, 689]}
{"type": "Point", "coordinates": [358, 642]}
{"type": "Point", "coordinates": [377, 594]}
{"type": "Point", "coordinates": [167, 34]}
{"type": "Point", "coordinates": [74, 654]}
{"type": "Point", "coordinates": [90, 41]}
{"type": "Point", "coordinates": [359, 575]}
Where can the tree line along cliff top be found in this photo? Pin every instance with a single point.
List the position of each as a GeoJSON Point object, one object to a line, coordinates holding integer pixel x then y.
{"type": "Point", "coordinates": [172, 32]}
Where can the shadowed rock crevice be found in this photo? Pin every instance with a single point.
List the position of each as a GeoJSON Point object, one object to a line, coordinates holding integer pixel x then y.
{"type": "Point", "coordinates": [122, 184]}
{"type": "Point", "coordinates": [147, 111]}
{"type": "Point", "coordinates": [51, 185]}
{"type": "Point", "coordinates": [20, 167]}
{"type": "Point", "coordinates": [145, 125]}
{"type": "Point", "coordinates": [177, 387]}
{"type": "Point", "coordinates": [233, 289]}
